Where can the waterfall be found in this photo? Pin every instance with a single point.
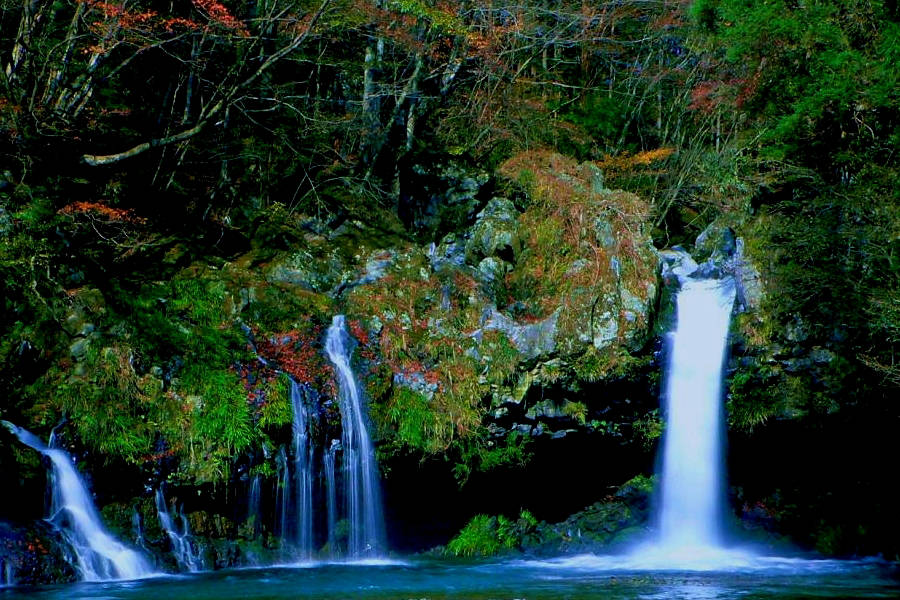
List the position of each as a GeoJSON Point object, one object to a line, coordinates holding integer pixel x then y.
{"type": "Point", "coordinates": [186, 554]}
{"type": "Point", "coordinates": [360, 472]}
{"type": "Point", "coordinates": [692, 478]}
{"type": "Point", "coordinates": [303, 470]}
{"type": "Point", "coordinates": [331, 490]}
{"type": "Point", "coordinates": [254, 506]}
{"type": "Point", "coordinates": [137, 527]}
{"type": "Point", "coordinates": [283, 494]}
{"type": "Point", "coordinates": [6, 573]}
{"type": "Point", "coordinates": [98, 555]}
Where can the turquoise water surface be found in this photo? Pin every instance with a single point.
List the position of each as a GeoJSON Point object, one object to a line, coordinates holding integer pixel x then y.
{"type": "Point", "coordinates": [582, 577]}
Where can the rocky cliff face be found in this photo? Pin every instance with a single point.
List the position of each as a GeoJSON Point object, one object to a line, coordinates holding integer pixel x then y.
{"type": "Point", "coordinates": [527, 323]}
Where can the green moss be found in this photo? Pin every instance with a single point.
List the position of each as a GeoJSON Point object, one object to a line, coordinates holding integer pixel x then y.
{"type": "Point", "coordinates": [639, 485]}
{"type": "Point", "coordinates": [501, 355]}
{"type": "Point", "coordinates": [276, 408]}
{"type": "Point", "coordinates": [221, 425]}
{"type": "Point", "coordinates": [414, 422]}
{"type": "Point", "coordinates": [282, 308]}
{"type": "Point", "coordinates": [576, 410]}
{"type": "Point", "coordinates": [590, 366]}
{"type": "Point", "coordinates": [105, 404]}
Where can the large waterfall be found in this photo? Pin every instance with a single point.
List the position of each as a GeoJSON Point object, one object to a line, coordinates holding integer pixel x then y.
{"type": "Point", "coordinates": [691, 509]}
{"type": "Point", "coordinates": [362, 491]}
{"type": "Point", "coordinates": [98, 555]}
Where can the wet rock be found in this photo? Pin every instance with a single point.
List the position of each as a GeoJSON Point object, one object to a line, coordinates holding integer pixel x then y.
{"type": "Point", "coordinates": [35, 554]}
{"type": "Point", "coordinates": [749, 281]}
{"type": "Point", "coordinates": [604, 232]}
{"type": "Point", "coordinates": [796, 331]}
{"type": "Point", "coordinates": [604, 524]}
{"type": "Point", "coordinates": [716, 244]}
{"type": "Point", "coordinates": [376, 267]}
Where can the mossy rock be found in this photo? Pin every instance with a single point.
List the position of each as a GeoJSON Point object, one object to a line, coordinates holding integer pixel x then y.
{"type": "Point", "coordinates": [587, 253]}
{"type": "Point", "coordinates": [495, 233]}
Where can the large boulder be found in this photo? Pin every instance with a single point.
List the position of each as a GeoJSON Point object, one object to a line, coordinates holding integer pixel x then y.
{"type": "Point", "coordinates": [587, 253]}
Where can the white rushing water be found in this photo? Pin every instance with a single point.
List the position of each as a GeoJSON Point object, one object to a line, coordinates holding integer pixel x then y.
{"type": "Point", "coordinates": [254, 506]}
{"type": "Point", "coordinates": [283, 493]}
{"type": "Point", "coordinates": [302, 472]}
{"type": "Point", "coordinates": [6, 573]}
{"type": "Point", "coordinates": [98, 555]}
{"type": "Point", "coordinates": [331, 491]}
{"type": "Point", "coordinates": [186, 552]}
{"type": "Point", "coordinates": [362, 491]}
{"type": "Point", "coordinates": [692, 480]}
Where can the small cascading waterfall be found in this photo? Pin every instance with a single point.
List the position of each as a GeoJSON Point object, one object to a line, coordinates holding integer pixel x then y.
{"type": "Point", "coordinates": [283, 494]}
{"type": "Point", "coordinates": [186, 553]}
{"type": "Point", "coordinates": [362, 491]}
{"type": "Point", "coordinates": [254, 506]}
{"type": "Point", "coordinates": [98, 555]}
{"type": "Point", "coordinates": [303, 471]}
{"type": "Point", "coordinates": [692, 479]}
{"type": "Point", "coordinates": [6, 573]}
{"type": "Point", "coordinates": [331, 490]}
{"type": "Point", "coordinates": [137, 527]}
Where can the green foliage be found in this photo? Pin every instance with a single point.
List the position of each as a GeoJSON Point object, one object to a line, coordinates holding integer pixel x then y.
{"type": "Point", "coordinates": [810, 68]}
{"type": "Point", "coordinates": [198, 300]}
{"type": "Point", "coordinates": [105, 405]}
{"type": "Point", "coordinates": [276, 409]}
{"type": "Point", "coordinates": [600, 115]}
{"type": "Point", "coordinates": [484, 536]}
{"type": "Point", "coordinates": [444, 21]}
{"type": "Point", "coordinates": [415, 423]}
{"type": "Point", "coordinates": [527, 519]}
{"type": "Point", "coordinates": [639, 485]}
{"type": "Point", "coordinates": [477, 454]}
{"type": "Point", "coordinates": [500, 356]}
{"type": "Point", "coordinates": [223, 411]}
{"type": "Point", "coordinates": [648, 429]}
{"type": "Point", "coordinates": [577, 411]}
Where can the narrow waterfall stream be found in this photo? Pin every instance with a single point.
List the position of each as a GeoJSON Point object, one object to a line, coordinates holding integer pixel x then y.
{"type": "Point", "coordinates": [6, 574]}
{"type": "Point", "coordinates": [254, 506]}
{"type": "Point", "coordinates": [98, 555]}
{"type": "Point", "coordinates": [362, 490]}
{"type": "Point", "coordinates": [186, 553]}
{"type": "Point", "coordinates": [331, 490]}
{"type": "Point", "coordinates": [302, 472]}
{"type": "Point", "coordinates": [283, 493]}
